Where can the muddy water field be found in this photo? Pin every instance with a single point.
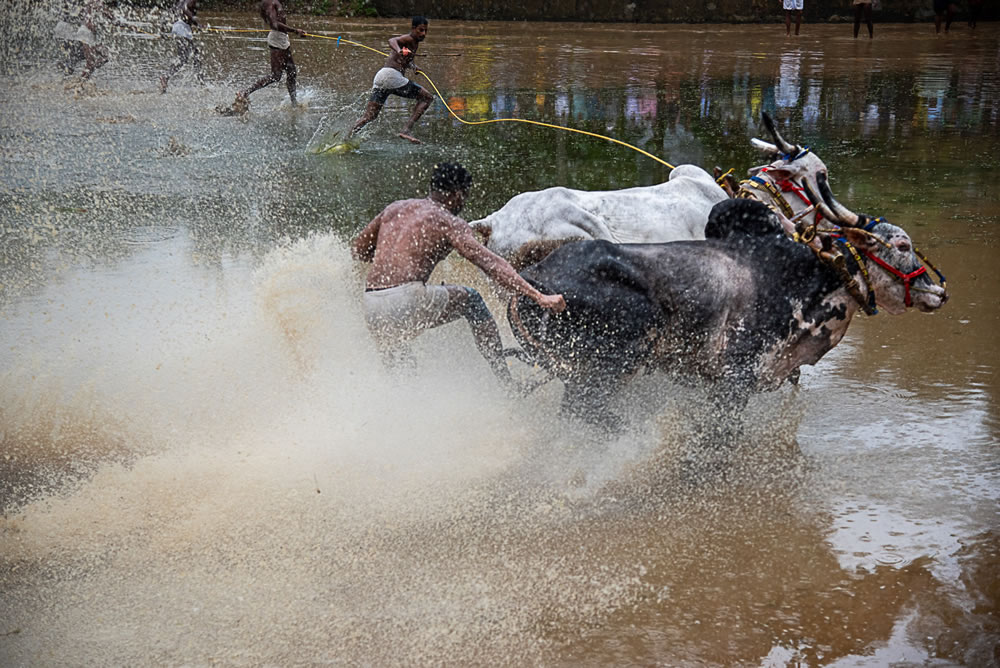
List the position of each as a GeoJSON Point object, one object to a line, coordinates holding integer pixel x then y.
{"type": "Point", "coordinates": [204, 461]}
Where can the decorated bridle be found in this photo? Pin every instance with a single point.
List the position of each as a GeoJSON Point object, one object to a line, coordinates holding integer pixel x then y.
{"type": "Point", "coordinates": [905, 278]}
{"type": "Point", "coordinates": [834, 211]}
{"type": "Point", "coordinates": [755, 186]}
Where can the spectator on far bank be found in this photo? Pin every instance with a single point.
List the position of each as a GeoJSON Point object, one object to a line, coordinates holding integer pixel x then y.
{"type": "Point", "coordinates": [943, 9]}
{"type": "Point", "coordinates": [975, 6]}
{"type": "Point", "coordinates": [863, 7]}
{"type": "Point", "coordinates": [792, 6]}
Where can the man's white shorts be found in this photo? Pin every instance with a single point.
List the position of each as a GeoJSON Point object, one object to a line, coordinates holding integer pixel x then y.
{"type": "Point", "coordinates": [793, 4]}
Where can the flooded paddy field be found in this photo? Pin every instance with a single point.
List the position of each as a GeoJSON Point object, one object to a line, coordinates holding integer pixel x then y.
{"type": "Point", "coordinates": [204, 462]}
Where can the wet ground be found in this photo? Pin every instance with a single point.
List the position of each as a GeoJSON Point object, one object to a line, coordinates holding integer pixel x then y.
{"type": "Point", "coordinates": [204, 462]}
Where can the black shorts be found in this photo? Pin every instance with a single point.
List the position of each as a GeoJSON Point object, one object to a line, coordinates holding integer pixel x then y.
{"type": "Point", "coordinates": [941, 6]}
{"type": "Point", "coordinates": [380, 95]}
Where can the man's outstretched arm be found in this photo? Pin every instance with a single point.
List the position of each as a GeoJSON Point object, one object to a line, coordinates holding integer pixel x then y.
{"type": "Point", "coordinates": [497, 268]}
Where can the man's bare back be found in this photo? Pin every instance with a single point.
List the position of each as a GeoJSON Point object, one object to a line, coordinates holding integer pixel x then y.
{"type": "Point", "coordinates": [410, 237]}
{"type": "Point", "coordinates": [414, 235]}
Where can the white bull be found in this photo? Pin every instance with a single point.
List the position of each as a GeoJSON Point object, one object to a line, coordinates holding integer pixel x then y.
{"type": "Point", "coordinates": [532, 224]}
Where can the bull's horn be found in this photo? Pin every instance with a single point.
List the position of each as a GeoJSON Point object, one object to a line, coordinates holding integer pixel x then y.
{"type": "Point", "coordinates": [842, 213]}
{"type": "Point", "coordinates": [785, 147]}
{"type": "Point", "coordinates": [820, 205]}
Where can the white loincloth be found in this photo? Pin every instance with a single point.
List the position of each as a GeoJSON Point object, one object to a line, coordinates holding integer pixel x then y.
{"type": "Point", "coordinates": [389, 79]}
{"type": "Point", "coordinates": [182, 29]}
{"type": "Point", "coordinates": [279, 40]}
{"type": "Point", "coordinates": [402, 312]}
{"type": "Point", "coordinates": [65, 31]}
{"type": "Point", "coordinates": [71, 33]}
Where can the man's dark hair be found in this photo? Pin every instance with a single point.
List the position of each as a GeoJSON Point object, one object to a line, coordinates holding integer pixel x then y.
{"type": "Point", "coordinates": [449, 177]}
{"type": "Point", "coordinates": [418, 21]}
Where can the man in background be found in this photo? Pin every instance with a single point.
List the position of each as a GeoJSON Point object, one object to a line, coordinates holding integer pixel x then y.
{"type": "Point", "coordinates": [390, 80]}
{"type": "Point", "coordinates": [280, 47]}
{"type": "Point", "coordinates": [792, 6]}
{"type": "Point", "coordinates": [187, 50]}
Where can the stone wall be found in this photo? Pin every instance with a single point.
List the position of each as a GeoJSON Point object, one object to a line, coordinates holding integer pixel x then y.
{"type": "Point", "coordinates": [659, 11]}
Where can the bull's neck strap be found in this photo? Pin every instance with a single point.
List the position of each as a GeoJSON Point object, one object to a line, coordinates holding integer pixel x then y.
{"type": "Point", "coordinates": [868, 305]}
{"type": "Point", "coordinates": [748, 186]}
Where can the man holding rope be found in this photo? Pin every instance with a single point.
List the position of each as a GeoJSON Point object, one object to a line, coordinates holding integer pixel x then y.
{"type": "Point", "coordinates": [280, 47]}
{"type": "Point", "coordinates": [405, 242]}
{"type": "Point", "coordinates": [390, 80]}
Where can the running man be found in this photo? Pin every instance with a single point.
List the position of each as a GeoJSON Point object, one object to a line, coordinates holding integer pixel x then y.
{"type": "Point", "coordinates": [405, 242]}
{"type": "Point", "coordinates": [390, 80]}
{"type": "Point", "coordinates": [280, 47]}
{"type": "Point", "coordinates": [186, 48]}
{"type": "Point", "coordinates": [78, 34]}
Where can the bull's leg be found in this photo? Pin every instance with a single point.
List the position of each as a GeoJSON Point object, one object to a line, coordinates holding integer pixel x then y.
{"type": "Point", "coordinates": [716, 434]}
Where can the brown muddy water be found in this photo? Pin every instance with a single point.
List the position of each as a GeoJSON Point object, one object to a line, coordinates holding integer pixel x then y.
{"type": "Point", "coordinates": [204, 462]}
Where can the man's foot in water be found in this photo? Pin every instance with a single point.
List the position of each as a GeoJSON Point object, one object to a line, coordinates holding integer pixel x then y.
{"type": "Point", "coordinates": [163, 85]}
{"type": "Point", "coordinates": [409, 138]}
{"type": "Point", "coordinates": [239, 107]}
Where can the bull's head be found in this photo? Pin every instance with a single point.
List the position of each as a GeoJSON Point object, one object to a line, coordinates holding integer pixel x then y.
{"type": "Point", "coordinates": [789, 162]}
{"type": "Point", "coordinates": [896, 268]}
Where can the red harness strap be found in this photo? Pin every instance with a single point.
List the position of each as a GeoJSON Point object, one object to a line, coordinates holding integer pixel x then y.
{"type": "Point", "coordinates": [789, 187]}
{"type": "Point", "coordinates": [905, 278]}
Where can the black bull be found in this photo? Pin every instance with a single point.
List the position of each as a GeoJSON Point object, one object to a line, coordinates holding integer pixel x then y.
{"type": "Point", "coordinates": [742, 312]}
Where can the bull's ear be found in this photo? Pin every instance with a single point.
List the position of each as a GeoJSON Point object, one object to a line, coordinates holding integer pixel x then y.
{"type": "Point", "coordinates": [858, 238]}
{"type": "Point", "coordinates": [780, 174]}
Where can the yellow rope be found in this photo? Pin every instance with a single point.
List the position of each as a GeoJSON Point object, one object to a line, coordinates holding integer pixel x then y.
{"type": "Point", "coordinates": [235, 29]}
{"type": "Point", "coordinates": [144, 32]}
{"type": "Point", "coordinates": [545, 125]}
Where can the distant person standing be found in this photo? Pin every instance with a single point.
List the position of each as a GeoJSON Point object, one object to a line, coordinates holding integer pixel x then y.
{"type": "Point", "coordinates": [943, 10]}
{"type": "Point", "coordinates": [183, 33]}
{"type": "Point", "coordinates": [280, 47]}
{"type": "Point", "coordinates": [390, 80]}
{"type": "Point", "coordinates": [863, 7]}
{"type": "Point", "coordinates": [975, 6]}
{"type": "Point", "coordinates": [792, 6]}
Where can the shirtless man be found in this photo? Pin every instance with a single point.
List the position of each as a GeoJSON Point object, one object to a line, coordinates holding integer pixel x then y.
{"type": "Point", "coordinates": [405, 242]}
{"type": "Point", "coordinates": [390, 80]}
{"type": "Point", "coordinates": [280, 46]}
{"type": "Point", "coordinates": [186, 48]}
